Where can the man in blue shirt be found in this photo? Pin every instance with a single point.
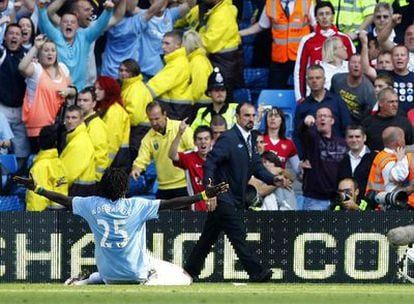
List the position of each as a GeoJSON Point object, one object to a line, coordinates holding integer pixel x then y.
{"type": "Point", "coordinates": [139, 36]}
{"type": "Point", "coordinates": [118, 226]}
{"type": "Point", "coordinates": [73, 43]}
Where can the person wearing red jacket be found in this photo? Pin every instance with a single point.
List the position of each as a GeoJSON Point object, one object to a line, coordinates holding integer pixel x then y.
{"type": "Point", "coordinates": [310, 47]}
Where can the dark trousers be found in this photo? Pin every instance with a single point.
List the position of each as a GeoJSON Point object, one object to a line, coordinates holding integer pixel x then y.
{"type": "Point", "coordinates": [229, 219]}
{"type": "Point", "coordinates": [135, 137]}
{"type": "Point", "coordinates": [279, 74]}
{"type": "Point", "coordinates": [171, 193]}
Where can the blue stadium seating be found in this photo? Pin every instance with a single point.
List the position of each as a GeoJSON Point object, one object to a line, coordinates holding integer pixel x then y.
{"type": "Point", "coordinates": [11, 203]}
{"type": "Point", "coordinates": [8, 165]}
{"type": "Point", "coordinates": [283, 99]}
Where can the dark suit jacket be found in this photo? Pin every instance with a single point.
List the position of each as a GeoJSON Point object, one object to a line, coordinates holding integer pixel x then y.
{"type": "Point", "coordinates": [361, 171]}
{"type": "Point", "coordinates": [229, 161]}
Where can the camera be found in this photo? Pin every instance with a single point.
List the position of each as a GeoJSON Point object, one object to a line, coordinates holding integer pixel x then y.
{"type": "Point", "coordinates": [267, 107]}
{"type": "Point", "coordinates": [252, 198]}
{"type": "Point", "coordinates": [341, 197]}
{"type": "Point", "coordinates": [390, 200]}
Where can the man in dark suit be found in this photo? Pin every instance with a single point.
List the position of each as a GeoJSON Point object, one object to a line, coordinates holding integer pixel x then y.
{"type": "Point", "coordinates": [234, 160]}
{"type": "Point", "coordinates": [357, 162]}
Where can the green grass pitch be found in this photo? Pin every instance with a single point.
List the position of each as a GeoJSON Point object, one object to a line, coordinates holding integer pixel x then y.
{"type": "Point", "coordinates": [209, 293]}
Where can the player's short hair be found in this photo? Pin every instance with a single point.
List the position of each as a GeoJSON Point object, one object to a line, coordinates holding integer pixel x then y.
{"type": "Point", "coordinates": [114, 184]}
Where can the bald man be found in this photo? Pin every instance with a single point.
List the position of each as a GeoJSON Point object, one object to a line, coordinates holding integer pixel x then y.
{"type": "Point", "coordinates": [392, 167]}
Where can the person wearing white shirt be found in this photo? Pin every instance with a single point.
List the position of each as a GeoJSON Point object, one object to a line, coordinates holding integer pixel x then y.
{"type": "Point", "coordinates": [357, 162]}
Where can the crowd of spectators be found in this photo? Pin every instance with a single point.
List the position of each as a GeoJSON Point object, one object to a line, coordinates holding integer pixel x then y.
{"type": "Point", "coordinates": [87, 85]}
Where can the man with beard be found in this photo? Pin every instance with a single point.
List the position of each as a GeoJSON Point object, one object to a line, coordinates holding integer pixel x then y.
{"type": "Point", "coordinates": [233, 160]}
{"type": "Point", "coordinates": [155, 146]}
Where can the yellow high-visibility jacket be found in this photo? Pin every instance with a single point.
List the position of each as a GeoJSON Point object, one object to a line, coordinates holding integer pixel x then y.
{"type": "Point", "coordinates": [50, 173]}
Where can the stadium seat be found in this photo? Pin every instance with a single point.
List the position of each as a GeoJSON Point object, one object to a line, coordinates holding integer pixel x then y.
{"type": "Point", "coordinates": [283, 99]}
{"type": "Point", "coordinates": [11, 203]}
{"type": "Point", "coordinates": [9, 163]}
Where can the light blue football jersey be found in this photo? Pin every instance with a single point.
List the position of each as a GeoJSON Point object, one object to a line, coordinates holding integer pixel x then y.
{"type": "Point", "coordinates": [120, 234]}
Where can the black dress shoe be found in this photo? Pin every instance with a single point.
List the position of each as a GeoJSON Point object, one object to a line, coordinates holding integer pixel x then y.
{"type": "Point", "coordinates": [262, 277]}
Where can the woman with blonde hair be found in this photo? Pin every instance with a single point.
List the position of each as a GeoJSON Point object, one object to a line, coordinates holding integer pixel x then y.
{"type": "Point", "coordinates": [48, 84]}
{"type": "Point", "coordinates": [334, 55]}
{"type": "Point", "coordinates": [200, 65]}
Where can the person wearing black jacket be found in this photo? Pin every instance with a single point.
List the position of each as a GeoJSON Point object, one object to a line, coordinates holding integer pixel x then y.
{"type": "Point", "coordinates": [233, 160]}
{"type": "Point", "coordinates": [13, 88]}
{"type": "Point", "coordinates": [357, 162]}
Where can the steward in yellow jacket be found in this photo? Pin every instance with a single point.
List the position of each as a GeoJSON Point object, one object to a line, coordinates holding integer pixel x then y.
{"type": "Point", "coordinates": [135, 96]}
{"type": "Point", "coordinates": [219, 32]}
{"type": "Point", "coordinates": [117, 122]}
{"type": "Point", "coordinates": [47, 170]}
{"type": "Point", "coordinates": [171, 86]}
{"type": "Point", "coordinates": [98, 132]}
{"type": "Point", "coordinates": [78, 155]}
{"type": "Point", "coordinates": [155, 146]}
{"type": "Point", "coordinates": [200, 68]}
{"type": "Point", "coordinates": [111, 109]}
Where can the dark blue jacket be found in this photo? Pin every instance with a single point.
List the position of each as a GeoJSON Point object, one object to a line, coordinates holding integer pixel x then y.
{"type": "Point", "coordinates": [338, 107]}
{"type": "Point", "coordinates": [229, 161]}
{"type": "Point", "coordinates": [12, 83]}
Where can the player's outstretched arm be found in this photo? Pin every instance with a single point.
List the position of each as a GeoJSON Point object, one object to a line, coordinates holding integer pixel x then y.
{"type": "Point", "coordinates": [183, 201]}
{"type": "Point", "coordinates": [31, 184]}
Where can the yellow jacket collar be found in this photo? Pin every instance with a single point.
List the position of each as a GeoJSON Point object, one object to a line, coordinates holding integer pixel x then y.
{"type": "Point", "coordinates": [89, 115]}
{"type": "Point", "coordinates": [195, 53]}
{"type": "Point", "coordinates": [214, 8]}
{"type": "Point", "coordinates": [132, 80]}
{"type": "Point", "coordinates": [46, 154]}
{"type": "Point", "coordinates": [175, 54]}
{"type": "Point", "coordinates": [79, 129]}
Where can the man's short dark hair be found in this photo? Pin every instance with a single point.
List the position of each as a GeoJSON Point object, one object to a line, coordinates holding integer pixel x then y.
{"type": "Point", "coordinates": [12, 25]}
{"type": "Point", "coordinates": [132, 66]}
{"type": "Point", "coordinates": [314, 67]}
{"type": "Point", "coordinates": [89, 89]}
{"type": "Point", "coordinates": [325, 107]}
{"type": "Point", "coordinates": [351, 179]}
{"type": "Point", "coordinates": [240, 105]}
{"type": "Point", "coordinates": [48, 138]}
{"type": "Point", "coordinates": [176, 35]}
{"type": "Point", "coordinates": [218, 120]}
{"type": "Point", "coordinates": [74, 108]}
{"type": "Point", "coordinates": [154, 104]}
{"type": "Point", "coordinates": [201, 129]}
{"type": "Point", "coordinates": [321, 4]}
{"type": "Point", "coordinates": [355, 127]}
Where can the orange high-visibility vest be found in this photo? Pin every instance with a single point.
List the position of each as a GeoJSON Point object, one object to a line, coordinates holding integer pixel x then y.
{"type": "Point", "coordinates": [375, 179]}
{"type": "Point", "coordinates": [287, 33]}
